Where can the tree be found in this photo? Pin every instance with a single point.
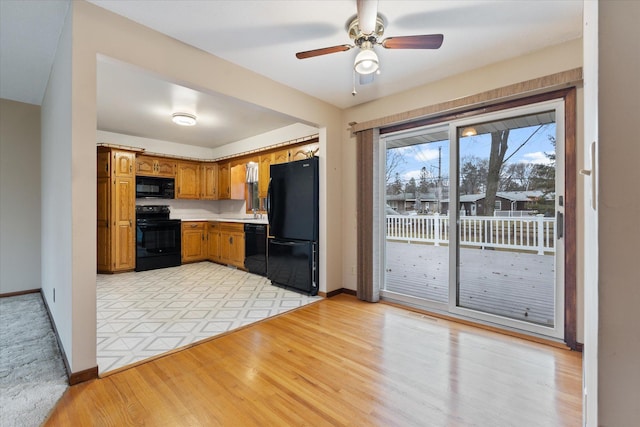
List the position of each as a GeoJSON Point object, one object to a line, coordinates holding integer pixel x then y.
{"type": "Point", "coordinates": [396, 186]}
{"type": "Point", "coordinates": [395, 158]}
{"type": "Point", "coordinates": [423, 183]}
{"type": "Point", "coordinates": [516, 177]}
{"type": "Point", "coordinates": [473, 175]}
{"type": "Point", "coordinates": [543, 178]}
{"type": "Point", "coordinates": [499, 146]}
{"type": "Point", "coordinates": [411, 186]}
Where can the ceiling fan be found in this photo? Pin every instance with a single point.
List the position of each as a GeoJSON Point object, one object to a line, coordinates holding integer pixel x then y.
{"type": "Point", "coordinates": [365, 29]}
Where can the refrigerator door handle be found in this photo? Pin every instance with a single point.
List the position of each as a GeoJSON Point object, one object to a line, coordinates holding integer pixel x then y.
{"type": "Point", "coordinates": [275, 242]}
{"type": "Point", "coordinates": [269, 214]}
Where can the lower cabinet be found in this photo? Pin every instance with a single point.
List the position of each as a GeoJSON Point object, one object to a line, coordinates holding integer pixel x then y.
{"type": "Point", "coordinates": [194, 241]}
{"type": "Point", "coordinates": [226, 243]}
{"type": "Point", "coordinates": [221, 242]}
{"type": "Point", "coordinates": [213, 237]}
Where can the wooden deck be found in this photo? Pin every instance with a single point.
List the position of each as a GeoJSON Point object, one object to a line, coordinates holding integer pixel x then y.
{"type": "Point", "coordinates": [511, 284]}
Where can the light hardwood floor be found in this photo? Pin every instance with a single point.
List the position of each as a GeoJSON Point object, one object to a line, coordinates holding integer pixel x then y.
{"type": "Point", "coordinates": [341, 361]}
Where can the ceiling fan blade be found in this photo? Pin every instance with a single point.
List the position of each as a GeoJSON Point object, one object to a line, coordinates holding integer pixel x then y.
{"type": "Point", "coordinates": [323, 51]}
{"type": "Point", "coordinates": [367, 14]}
{"type": "Point", "coordinates": [427, 41]}
{"type": "Point", "coordinates": [365, 79]}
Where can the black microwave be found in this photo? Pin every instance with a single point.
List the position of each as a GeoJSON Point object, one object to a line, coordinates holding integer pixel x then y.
{"type": "Point", "coordinates": [149, 187]}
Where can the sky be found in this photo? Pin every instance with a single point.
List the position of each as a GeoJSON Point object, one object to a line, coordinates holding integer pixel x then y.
{"type": "Point", "coordinates": [426, 155]}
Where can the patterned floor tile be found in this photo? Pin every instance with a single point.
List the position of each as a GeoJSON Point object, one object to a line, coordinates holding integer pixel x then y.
{"type": "Point", "coordinates": [144, 314]}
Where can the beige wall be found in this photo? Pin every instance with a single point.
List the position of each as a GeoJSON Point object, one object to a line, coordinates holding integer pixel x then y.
{"type": "Point", "coordinates": [98, 32]}
{"type": "Point", "coordinates": [548, 61]}
{"type": "Point", "coordinates": [618, 214]}
{"type": "Point", "coordinates": [19, 196]}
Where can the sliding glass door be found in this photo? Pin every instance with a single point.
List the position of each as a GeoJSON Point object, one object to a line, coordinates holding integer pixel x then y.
{"type": "Point", "coordinates": [474, 223]}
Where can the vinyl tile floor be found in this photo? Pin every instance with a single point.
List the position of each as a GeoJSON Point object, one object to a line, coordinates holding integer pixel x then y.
{"type": "Point", "coordinates": [144, 314]}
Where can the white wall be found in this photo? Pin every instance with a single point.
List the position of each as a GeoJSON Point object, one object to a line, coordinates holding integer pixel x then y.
{"type": "Point", "coordinates": [19, 196]}
{"type": "Point", "coordinates": [56, 250]}
{"type": "Point", "coordinates": [618, 213]}
{"type": "Point", "coordinates": [155, 145]}
{"type": "Point", "coordinates": [590, 226]}
{"type": "Point", "coordinates": [551, 60]}
{"type": "Point", "coordinates": [287, 133]}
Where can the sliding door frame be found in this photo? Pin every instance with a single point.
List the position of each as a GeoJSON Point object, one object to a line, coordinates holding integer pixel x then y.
{"type": "Point", "coordinates": [568, 96]}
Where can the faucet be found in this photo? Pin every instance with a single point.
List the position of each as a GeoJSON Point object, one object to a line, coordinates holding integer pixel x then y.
{"type": "Point", "coordinates": [256, 215]}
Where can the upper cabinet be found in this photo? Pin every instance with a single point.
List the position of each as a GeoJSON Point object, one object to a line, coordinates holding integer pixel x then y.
{"type": "Point", "coordinates": [224, 181]}
{"type": "Point", "coordinates": [155, 166]}
{"type": "Point", "coordinates": [231, 181]}
{"type": "Point", "coordinates": [123, 162]}
{"type": "Point", "coordinates": [281, 156]}
{"type": "Point", "coordinates": [188, 180]}
{"type": "Point", "coordinates": [304, 151]}
{"type": "Point", "coordinates": [264, 174]}
{"type": "Point", "coordinates": [209, 181]}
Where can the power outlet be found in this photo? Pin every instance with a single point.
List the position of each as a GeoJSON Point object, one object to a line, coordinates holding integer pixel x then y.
{"type": "Point", "coordinates": [353, 270]}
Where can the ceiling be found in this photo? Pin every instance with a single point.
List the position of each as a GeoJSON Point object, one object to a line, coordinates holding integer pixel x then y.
{"type": "Point", "coordinates": [264, 36]}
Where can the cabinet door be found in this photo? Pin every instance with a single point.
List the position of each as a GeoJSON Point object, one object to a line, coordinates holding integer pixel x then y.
{"type": "Point", "coordinates": [237, 249]}
{"type": "Point", "coordinates": [165, 167]}
{"type": "Point", "coordinates": [124, 216]}
{"type": "Point", "coordinates": [304, 151]}
{"type": "Point", "coordinates": [281, 156]}
{"type": "Point", "coordinates": [145, 165]}
{"type": "Point", "coordinates": [238, 178]}
{"type": "Point", "coordinates": [123, 163]}
{"type": "Point", "coordinates": [225, 247]}
{"type": "Point", "coordinates": [224, 181]}
{"type": "Point", "coordinates": [193, 241]}
{"type": "Point", "coordinates": [104, 160]}
{"type": "Point", "coordinates": [214, 243]}
{"type": "Point", "coordinates": [264, 173]}
{"type": "Point", "coordinates": [209, 181]}
{"type": "Point", "coordinates": [104, 231]}
{"type": "Point", "coordinates": [188, 181]}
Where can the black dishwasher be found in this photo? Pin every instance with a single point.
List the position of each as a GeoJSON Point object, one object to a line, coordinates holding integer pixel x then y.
{"type": "Point", "coordinates": [255, 248]}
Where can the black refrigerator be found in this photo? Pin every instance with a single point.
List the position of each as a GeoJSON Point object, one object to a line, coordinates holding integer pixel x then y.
{"type": "Point", "coordinates": [292, 208]}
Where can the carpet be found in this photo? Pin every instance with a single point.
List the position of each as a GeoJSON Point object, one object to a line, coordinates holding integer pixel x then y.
{"type": "Point", "coordinates": [32, 373]}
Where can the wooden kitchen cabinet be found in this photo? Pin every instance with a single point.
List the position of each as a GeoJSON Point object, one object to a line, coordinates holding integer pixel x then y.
{"type": "Point", "coordinates": [224, 181]}
{"type": "Point", "coordinates": [264, 174]}
{"type": "Point", "coordinates": [194, 241]}
{"type": "Point", "coordinates": [116, 200]}
{"type": "Point", "coordinates": [213, 242]}
{"type": "Point", "coordinates": [188, 180]}
{"type": "Point", "coordinates": [281, 156]}
{"type": "Point", "coordinates": [238, 181]}
{"type": "Point", "coordinates": [302, 152]}
{"type": "Point", "coordinates": [155, 166]}
{"type": "Point", "coordinates": [232, 243]}
{"type": "Point", "coordinates": [231, 181]}
{"type": "Point", "coordinates": [209, 181]}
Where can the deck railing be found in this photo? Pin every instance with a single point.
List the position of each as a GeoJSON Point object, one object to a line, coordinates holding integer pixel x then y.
{"type": "Point", "coordinates": [534, 233]}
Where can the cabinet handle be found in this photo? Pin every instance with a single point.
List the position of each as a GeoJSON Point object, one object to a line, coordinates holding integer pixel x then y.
{"type": "Point", "coordinates": [130, 223]}
{"type": "Point", "coordinates": [130, 168]}
{"type": "Point", "coordinates": [231, 240]}
{"type": "Point", "coordinates": [106, 167]}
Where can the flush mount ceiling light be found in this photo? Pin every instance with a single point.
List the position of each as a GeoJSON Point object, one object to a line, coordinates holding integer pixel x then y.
{"type": "Point", "coordinates": [183, 119]}
{"type": "Point", "coordinates": [469, 131]}
{"type": "Point", "coordinates": [367, 60]}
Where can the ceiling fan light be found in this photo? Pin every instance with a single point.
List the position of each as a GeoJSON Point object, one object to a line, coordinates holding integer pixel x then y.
{"type": "Point", "coordinates": [366, 62]}
{"type": "Point", "coordinates": [184, 119]}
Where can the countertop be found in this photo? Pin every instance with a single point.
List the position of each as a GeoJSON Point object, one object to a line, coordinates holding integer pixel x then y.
{"type": "Point", "coordinates": [237, 220]}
